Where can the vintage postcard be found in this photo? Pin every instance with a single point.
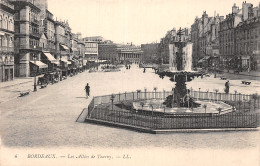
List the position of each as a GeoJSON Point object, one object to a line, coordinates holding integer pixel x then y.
{"type": "Point", "coordinates": [130, 82]}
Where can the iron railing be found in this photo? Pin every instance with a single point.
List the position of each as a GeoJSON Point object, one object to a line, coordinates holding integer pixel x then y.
{"type": "Point", "coordinates": [245, 115]}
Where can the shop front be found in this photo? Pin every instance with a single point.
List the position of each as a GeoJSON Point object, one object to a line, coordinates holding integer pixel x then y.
{"type": "Point", "coordinates": [38, 68]}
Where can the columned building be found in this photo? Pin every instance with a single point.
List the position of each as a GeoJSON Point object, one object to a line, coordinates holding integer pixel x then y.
{"type": "Point", "coordinates": [6, 41]}
{"type": "Point", "coordinates": [120, 53]}
{"type": "Point", "coordinates": [129, 53]}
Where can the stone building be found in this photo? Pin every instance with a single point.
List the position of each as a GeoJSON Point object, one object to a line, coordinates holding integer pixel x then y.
{"type": "Point", "coordinates": [120, 53]}
{"type": "Point", "coordinates": [227, 36]}
{"type": "Point", "coordinates": [6, 41]}
{"type": "Point", "coordinates": [247, 48]}
{"type": "Point", "coordinates": [91, 47]}
{"type": "Point", "coordinates": [205, 39]}
{"type": "Point", "coordinates": [27, 38]}
{"type": "Point", "coordinates": [239, 38]}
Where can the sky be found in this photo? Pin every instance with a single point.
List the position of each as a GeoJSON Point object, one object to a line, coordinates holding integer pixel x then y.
{"type": "Point", "coordinates": [136, 21]}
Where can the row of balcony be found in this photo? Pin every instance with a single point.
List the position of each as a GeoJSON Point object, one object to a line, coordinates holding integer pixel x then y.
{"type": "Point", "coordinates": [6, 3]}
{"type": "Point", "coordinates": [36, 34]}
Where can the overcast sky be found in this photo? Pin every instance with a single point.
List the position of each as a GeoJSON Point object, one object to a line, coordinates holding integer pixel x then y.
{"type": "Point", "coordinates": [137, 21]}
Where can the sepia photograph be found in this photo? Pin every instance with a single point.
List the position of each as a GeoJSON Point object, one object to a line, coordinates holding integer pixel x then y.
{"type": "Point", "coordinates": [130, 82]}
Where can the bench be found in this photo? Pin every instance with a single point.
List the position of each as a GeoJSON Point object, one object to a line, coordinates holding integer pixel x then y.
{"type": "Point", "coordinates": [24, 93]}
{"type": "Point", "coordinates": [223, 78]}
{"type": "Point", "coordinates": [246, 82]}
{"type": "Point", "coordinates": [43, 86]}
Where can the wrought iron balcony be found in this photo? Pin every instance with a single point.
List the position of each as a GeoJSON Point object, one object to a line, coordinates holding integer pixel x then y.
{"type": "Point", "coordinates": [35, 21]}
{"type": "Point", "coordinates": [36, 34]}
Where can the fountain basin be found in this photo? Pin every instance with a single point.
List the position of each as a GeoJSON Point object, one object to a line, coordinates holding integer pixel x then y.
{"type": "Point", "coordinates": [158, 106]}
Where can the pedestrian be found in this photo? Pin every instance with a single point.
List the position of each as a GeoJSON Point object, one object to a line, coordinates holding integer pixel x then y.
{"type": "Point", "coordinates": [227, 85]}
{"type": "Point", "coordinates": [87, 89]}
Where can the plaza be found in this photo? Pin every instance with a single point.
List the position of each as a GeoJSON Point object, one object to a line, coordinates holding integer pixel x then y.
{"type": "Point", "coordinates": [48, 117]}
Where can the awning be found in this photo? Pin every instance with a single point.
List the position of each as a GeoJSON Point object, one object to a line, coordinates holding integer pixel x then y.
{"type": "Point", "coordinates": [207, 57]}
{"type": "Point", "coordinates": [50, 57]}
{"type": "Point", "coordinates": [74, 49]}
{"type": "Point", "coordinates": [228, 59]}
{"type": "Point", "coordinates": [201, 60]}
{"type": "Point", "coordinates": [40, 64]}
{"type": "Point", "coordinates": [73, 61]}
{"type": "Point", "coordinates": [64, 47]}
{"type": "Point", "coordinates": [66, 61]}
{"type": "Point", "coordinates": [256, 52]}
{"type": "Point", "coordinates": [56, 62]}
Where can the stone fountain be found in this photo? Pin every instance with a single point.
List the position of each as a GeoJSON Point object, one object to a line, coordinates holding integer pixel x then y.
{"type": "Point", "coordinates": [180, 71]}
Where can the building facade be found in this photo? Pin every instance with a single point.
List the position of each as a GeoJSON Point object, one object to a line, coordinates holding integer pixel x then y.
{"type": "Point", "coordinates": [205, 39]}
{"type": "Point", "coordinates": [120, 53]}
{"type": "Point", "coordinates": [27, 39]}
{"type": "Point", "coordinates": [91, 47]}
{"type": "Point", "coordinates": [239, 39]}
{"type": "Point", "coordinates": [248, 45]}
{"type": "Point", "coordinates": [6, 41]}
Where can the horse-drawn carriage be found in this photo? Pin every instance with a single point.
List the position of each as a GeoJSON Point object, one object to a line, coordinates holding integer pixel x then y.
{"type": "Point", "coordinates": [48, 78]}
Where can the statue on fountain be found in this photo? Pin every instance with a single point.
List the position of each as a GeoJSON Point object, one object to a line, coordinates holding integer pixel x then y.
{"type": "Point", "coordinates": [180, 71]}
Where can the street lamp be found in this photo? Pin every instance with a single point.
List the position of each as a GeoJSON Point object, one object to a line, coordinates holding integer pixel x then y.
{"type": "Point", "coordinates": [35, 69]}
{"type": "Point", "coordinates": [60, 66]}
{"type": "Point", "coordinates": [138, 93]}
{"type": "Point", "coordinates": [112, 99]}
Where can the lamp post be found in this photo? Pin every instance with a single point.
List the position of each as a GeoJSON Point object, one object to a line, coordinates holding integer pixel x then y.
{"type": "Point", "coordinates": [155, 89]}
{"type": "Point", "coordinates": [138, 93]}
{"type": "Point", "coordinates": [60, 66]}
{"type": "Point", "coordinates": [112, 99]}
{"type": "Point", "coordinates": [35, 69]}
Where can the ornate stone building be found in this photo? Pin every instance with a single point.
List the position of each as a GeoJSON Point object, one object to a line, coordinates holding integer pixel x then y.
{"type": "Point", "coordinates": [6, 41]}
{"type": "Point", "coordinates": [239, 38]}
{"type": "Point", "coordinates": [120, 53]}
{"type": "Point", "coordinates": [205, 39]}
{"type": "Point", "coordinates": [27, 39]}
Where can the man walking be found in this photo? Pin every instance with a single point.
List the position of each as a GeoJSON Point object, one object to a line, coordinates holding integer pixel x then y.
{"type": "Point", "coordinates": [87, 88]}
{"type": "Point", "coordinates": [227, 87]}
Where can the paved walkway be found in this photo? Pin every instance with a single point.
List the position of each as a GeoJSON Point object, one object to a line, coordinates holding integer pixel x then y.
{"type": "Point", "coordinates": [16, 81]}
{"type": "Point", "coordinates": [251, 73]}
